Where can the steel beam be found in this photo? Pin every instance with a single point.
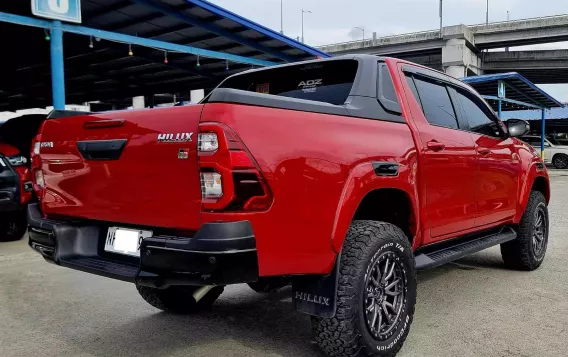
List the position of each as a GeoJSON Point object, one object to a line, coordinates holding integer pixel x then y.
{"type": "Point", "coordinates": [212, 28]}
{"type": "Point", "coordinates": [492, 97]}
{"type": "Point", "coordinates": [111, 36]}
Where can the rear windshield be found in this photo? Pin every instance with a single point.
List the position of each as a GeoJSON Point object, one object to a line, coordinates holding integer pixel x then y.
{"type": "Point", "coordinates": [326, 81]}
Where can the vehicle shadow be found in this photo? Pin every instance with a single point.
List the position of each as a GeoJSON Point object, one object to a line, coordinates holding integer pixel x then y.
{"type": "Point", "coordinates": [241, 323]}
{"type": "Point", "coordinates": [257, 324]}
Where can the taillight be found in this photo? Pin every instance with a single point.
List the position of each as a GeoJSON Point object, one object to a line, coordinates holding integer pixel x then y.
{"type": "Point", "coordinates": [36, 145]}
{"type": "Point", "coordinates": [230, 178]}
{"type": "Point", "coordinates": [211, 185]}
{"type": "Point", "coordinates": [38, 179]}
{"type": "Point", "coordinates": [207, 142]}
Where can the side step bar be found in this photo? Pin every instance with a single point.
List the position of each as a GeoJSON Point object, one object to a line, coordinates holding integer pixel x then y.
{"type": "Point", "coordinates": [445, 255]}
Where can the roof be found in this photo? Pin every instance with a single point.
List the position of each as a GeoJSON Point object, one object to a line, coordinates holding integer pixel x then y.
{"type": "Point", "coordinates": [107, 72]}
{"type": "Point", "coordinates": [518, 89]}
{"type": "Point", "coordinates": [552, 114]}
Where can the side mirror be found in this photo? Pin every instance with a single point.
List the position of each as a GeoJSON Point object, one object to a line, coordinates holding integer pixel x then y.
{"type": "Point", "coordinates": [518, 127]}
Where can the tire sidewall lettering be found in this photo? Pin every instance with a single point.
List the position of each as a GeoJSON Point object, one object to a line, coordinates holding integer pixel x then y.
{"type": "Point", "coordinates": [403, 324]}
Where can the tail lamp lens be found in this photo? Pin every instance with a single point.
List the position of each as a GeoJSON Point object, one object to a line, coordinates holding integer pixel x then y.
{"type": "Point", "coordinates": [39, 181]}
{"type": "Point", "coordinates": [231, 180]}
{"type": "Point", "coordinates": [211, 185]}
{"type": "Point", "coordinates": [37, 147]}
{"type": "Point", "coordinates": [207, 142]}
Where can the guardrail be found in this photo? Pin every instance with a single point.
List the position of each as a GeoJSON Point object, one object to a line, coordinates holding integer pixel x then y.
{"type": "Point", "coordinates": [418, 33]}
{"type": "Point", "coordinates": [519, 20]}
{"type": "Point", "coordinates": [382, 38]}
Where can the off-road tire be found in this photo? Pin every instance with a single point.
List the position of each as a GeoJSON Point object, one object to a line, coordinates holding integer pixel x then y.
{"type": "Point", "coordinates": [347, 334]}
{"type": "Point", "coordinates": [179, 299]}
{"type": "Point", "coordinates": [560, 161]}
{"type": "Point", "coordinates": [520, 253]}
{"type": "Point", "coordinates": [13, 226]}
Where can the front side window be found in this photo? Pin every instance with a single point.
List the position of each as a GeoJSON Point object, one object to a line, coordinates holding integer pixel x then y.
{"type": "Point", "coordinates": [479, 117]}
{"type": "Point", "coordinates": [436, 104]}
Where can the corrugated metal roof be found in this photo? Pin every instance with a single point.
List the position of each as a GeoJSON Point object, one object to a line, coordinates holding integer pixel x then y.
{"type": "Point", "coordinates": [107, 72]}
{"type": "Point", "coordinates": [518, 88]}
{"type": "Point", "coordinates": [554, 113]}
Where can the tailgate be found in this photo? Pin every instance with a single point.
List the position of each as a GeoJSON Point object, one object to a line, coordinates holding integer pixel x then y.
{"type": "Point", "coordinates": [132, 167]}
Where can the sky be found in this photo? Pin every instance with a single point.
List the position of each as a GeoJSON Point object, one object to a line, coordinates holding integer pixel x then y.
{"type": "Point", "coordinates": [332, 21]}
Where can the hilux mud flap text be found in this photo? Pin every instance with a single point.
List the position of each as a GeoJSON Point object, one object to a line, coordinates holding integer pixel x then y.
{"type": "Point", "coordinates": [317, 295]}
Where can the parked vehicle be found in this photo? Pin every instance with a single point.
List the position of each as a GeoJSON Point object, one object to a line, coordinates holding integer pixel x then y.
{"type": "Point", "coordinates": [555, 154]}
{"type": "Point", "coordinates": [16, 189]}
{"type": "Point", "coordinates": [341, 176]}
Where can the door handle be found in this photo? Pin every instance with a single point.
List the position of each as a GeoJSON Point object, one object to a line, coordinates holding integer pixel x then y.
{"type": "Point", "coordinates": [483, 151]}
{"type": "Point", "coordinates": [435, 146]}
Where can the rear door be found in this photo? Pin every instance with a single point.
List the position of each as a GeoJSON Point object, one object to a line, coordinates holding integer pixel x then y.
{"type": "Point", "coordinates": [497, 181]}
{"type": "Point", "coordinates": [449, 159]}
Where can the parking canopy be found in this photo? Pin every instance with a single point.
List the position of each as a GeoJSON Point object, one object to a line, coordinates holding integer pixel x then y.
{"type": "Point", "coordinates": [519, 92]}
{"type": "Point", "coordinates": [215, 43]}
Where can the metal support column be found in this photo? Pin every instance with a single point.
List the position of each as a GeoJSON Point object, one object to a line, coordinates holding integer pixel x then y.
{"type": "Point", "coordinates": [499, 108]}
{"type": "Point", "coordinates": [57, 66]}
{"type": "Point", "coordinates": [542, 133]}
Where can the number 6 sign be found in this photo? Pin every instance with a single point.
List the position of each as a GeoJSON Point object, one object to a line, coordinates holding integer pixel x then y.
{"type": "Point", "coordinates": [64, 10]}
{"type": "Point", "coordinates": [59, 6]}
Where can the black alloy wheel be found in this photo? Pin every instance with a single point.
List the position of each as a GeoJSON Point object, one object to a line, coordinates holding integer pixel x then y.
{"type": "Point", "coordinates": [539, 231]}
{"type": "Point", "coordinates": [385, 288]}
{"type": "Point", "coordinates": [560, 161]}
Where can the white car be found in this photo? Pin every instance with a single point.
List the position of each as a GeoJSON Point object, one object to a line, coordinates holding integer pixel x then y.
{"type": "Point", "coordinates": [555, 154]}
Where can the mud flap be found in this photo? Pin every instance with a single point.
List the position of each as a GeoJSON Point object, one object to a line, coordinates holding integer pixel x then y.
{"type": "Point", "coordinates": [317, 295]}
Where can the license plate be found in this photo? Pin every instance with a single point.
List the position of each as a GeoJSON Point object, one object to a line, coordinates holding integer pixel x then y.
{"type": "Point", "coordinates": [125, 241]}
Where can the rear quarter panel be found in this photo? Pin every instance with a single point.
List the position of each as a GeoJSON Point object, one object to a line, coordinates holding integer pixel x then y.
{"type": "Point", "coordinates": [316, 165]}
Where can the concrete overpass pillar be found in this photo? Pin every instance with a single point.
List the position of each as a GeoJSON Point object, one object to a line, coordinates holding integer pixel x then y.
{"type": "Point", "coordinates": [459, 57]}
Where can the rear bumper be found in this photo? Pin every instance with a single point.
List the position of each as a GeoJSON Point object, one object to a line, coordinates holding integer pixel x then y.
{"type": "Point", "coordinates": [218, 254]}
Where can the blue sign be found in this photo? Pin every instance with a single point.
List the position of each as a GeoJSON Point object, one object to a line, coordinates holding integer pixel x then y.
{"type": "Point", "coordinates": [501, 89]}
{"type": "Point", "coordinates": [64, 10]}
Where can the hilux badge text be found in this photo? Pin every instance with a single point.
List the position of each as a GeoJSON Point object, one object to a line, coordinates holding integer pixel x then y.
{"type": "Point", "coordinates": [175, 138]}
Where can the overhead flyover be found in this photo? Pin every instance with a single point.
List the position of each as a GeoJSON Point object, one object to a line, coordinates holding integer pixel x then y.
{"type": "Point", "coordinates": [127, 48]}
{"type": "Point", "coordinates": [513, 92]}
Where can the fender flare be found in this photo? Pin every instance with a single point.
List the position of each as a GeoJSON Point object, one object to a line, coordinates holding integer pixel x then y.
{"type": "Point", "coordinates": [361, 181]}
{"type": "Point", "coordinates": [533, 172]}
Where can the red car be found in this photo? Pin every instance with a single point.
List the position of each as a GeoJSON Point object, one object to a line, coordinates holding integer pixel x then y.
{"type": "Point", "coordinates": [16, 188]}
{"type": "Point", "coordinates": [341, 176]}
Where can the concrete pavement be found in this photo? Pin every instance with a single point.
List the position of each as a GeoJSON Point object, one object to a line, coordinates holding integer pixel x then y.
{"type": "Point", "coordinates": [472, 308]}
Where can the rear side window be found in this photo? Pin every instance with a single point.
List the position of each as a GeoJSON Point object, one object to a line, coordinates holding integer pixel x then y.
{"type": "Point", "coordinates": [326, 81]}
{"type": "Point", "coordinates": [412, 86]}
{"type": "Point", "coordinates": [436, 104]}
{"type": "Point", "coordinates": [386, 85]}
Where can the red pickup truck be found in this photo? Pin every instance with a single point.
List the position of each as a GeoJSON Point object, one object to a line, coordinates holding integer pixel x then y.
{"type": "Point", "coordinates": [16, 189]}
{"type": "Point", "coordinates": [342, 177]}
